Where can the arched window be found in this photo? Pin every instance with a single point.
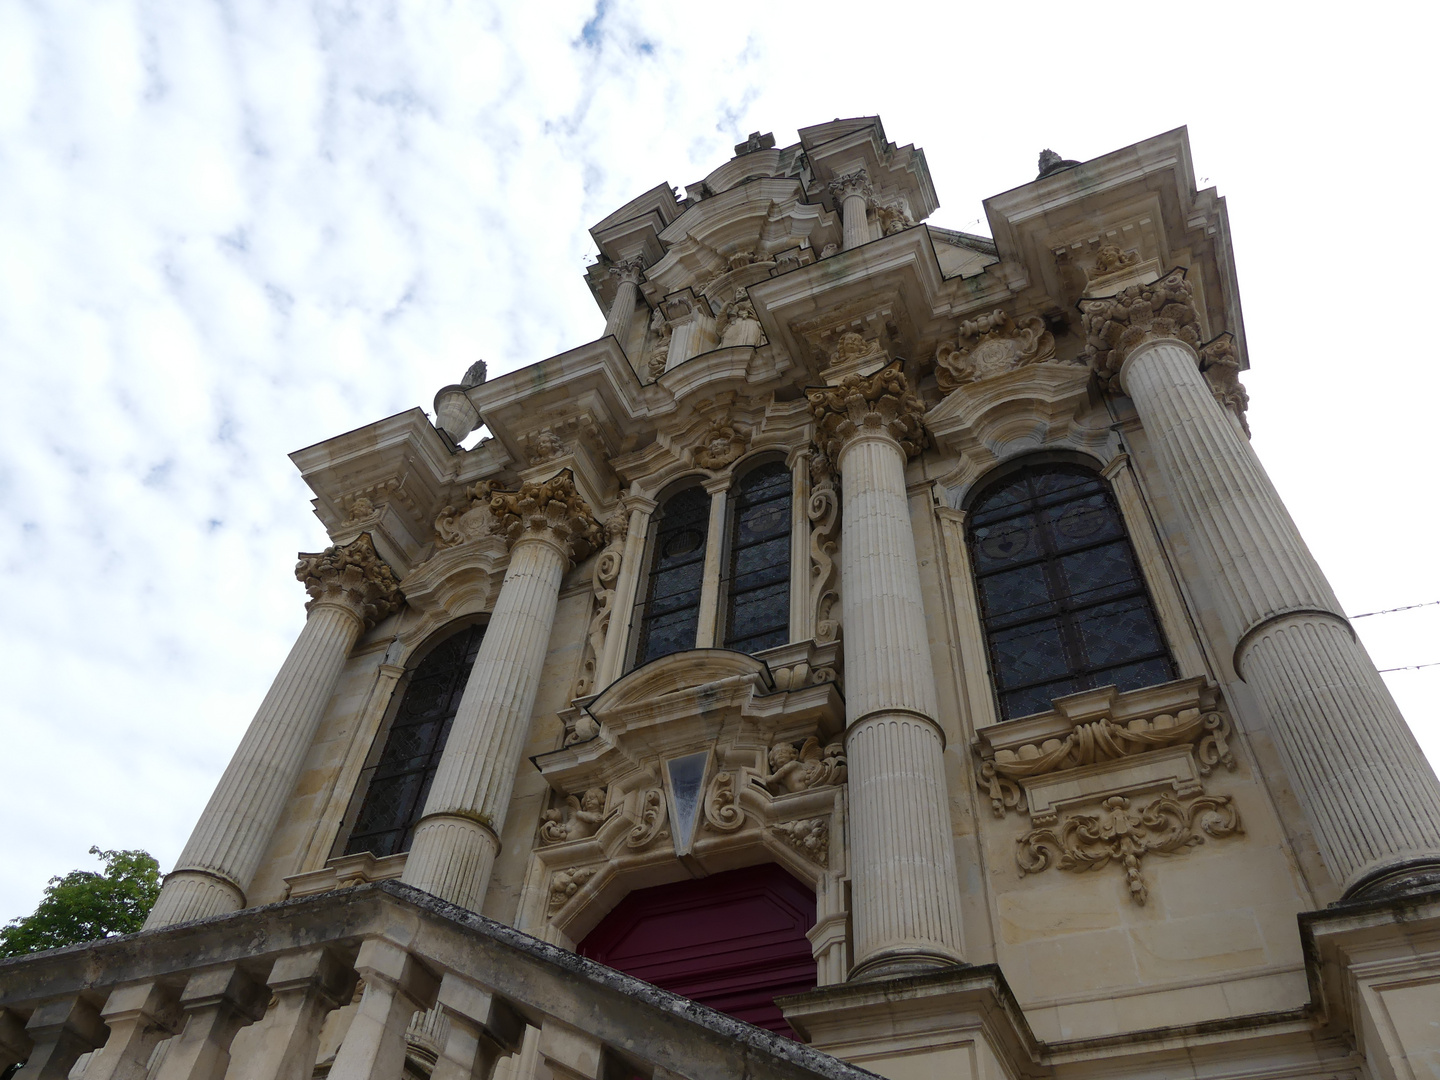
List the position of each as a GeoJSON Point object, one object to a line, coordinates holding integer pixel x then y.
{"type": "Point", "coordinates": [677, 568]}
{"type": "Point", "coordinates": [397, 779]}
{"type": "Point", "coordinates": [757, 598]}
{"type": "Point", "coordinates": [1061, 597]}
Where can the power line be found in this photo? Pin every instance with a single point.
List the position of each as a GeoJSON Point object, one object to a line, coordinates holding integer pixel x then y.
{"type": "Point", "coordinates": [1409, 667]}
{"type": "Point", "coordinates": [1387, 611]}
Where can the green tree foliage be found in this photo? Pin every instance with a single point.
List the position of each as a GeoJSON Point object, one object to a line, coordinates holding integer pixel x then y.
{"type": "Point", "coordinates": [83, 905]}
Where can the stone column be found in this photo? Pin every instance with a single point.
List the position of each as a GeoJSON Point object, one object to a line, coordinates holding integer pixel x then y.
{"type": "Point", "coordinates": [627, 292]}
{"type": "Point", "coordinates": [548, 524]}
{"type": "Point", "coordinates": [1357, 771]}
{"type": "Point", "coordinates": [853, 191]}
{"type": "Point", "coordinates": [350, 588]}
{"type": "Point", "coordinates": [905, 892]}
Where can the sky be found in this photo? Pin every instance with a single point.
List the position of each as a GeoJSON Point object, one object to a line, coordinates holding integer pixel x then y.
{"type": "Point", "coordinates": [231, 230]}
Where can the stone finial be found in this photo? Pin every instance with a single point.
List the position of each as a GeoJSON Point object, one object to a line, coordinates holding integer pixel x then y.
{"type": "Point", "coordinates": [627, 269]}
{"type": "Point", "coordinates": [1220, 364]}
{"type": "Point", "coordinates": [852, 183]}
{"type": "Point", "coordinates": [552, 506]}
{"type": "Point", "coordinates": [354, 575]}
{"type": "Point", "coordinates": [755, 142]}
{"type": "Point", "coordinates": [474, 375]}
{"type": "Point", "coordinates": [879, 402]}
{"type": "Point", "coordinates": [1051, 163]}
{"type": "Point", "coordinates": [1115, 325]}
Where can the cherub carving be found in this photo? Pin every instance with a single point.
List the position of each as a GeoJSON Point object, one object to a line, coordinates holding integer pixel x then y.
{"type": "Point", "coordinates": [581, 818]}
{"type": "Point", "coordinates": [796, 769]}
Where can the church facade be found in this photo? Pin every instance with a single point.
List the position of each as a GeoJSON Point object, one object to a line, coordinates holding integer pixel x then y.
{"type": "Point", "coordinates": [880, 652]}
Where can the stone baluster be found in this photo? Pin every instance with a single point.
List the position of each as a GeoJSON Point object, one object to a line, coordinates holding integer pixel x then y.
{"type": "Point", "coordinates": [548, 525]}
{"type": "Point", "coordinates": [397, 986]}
{"type": "Point", "coordinates": [139, 1016]}
{"type": "Point", "coordinates": [60, 1030]}
{"type": "Point", "coordinates": [1369, 795]}
{"type": "Point", "coordinates": [853, 190]}
{"type": "Point", "coordinates": [350, 588]}
{"type": "Point", "coordinates": [567, 1053]}
{"type": "Point", "coordinates": [482, 1029]}
{"type": "Point", "coordinates": [217, 1002]}
{"type": "Point", "coordinates": [15, 1045]}
{"type": "Point", "coordinates": [307, 986]}
{"type": "Point", "coordinates": [905, 890]}
{"type": "Point", "coordinates": [627, 294]}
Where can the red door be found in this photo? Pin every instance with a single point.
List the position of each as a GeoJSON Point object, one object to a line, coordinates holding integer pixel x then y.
{"type": "Point", "coordinates": [734, 941]}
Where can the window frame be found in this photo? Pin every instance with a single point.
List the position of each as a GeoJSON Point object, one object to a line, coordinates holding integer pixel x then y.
{"type": "Point", "coordinates": [640, 609]}
{"type": "Point", "coordinates": [741, 471]}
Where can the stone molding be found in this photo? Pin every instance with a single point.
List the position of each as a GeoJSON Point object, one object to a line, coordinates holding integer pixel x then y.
{"type": "Point", "coordinates": [551, 510]}
{"type": "Point", "coordinates": [1115, 325]}
{"type": "Point", "coordinates": [353, 576]}
{"type": "Point", "coordinates": [1117, 832]}
{"type": "Point", "coordinates": [992, 345]}
{"type": "Point", "coordinates": [868, 403]}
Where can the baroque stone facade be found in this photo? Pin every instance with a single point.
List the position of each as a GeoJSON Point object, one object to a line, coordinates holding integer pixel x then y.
{"type": "Point", "coordinates": [939, 574]}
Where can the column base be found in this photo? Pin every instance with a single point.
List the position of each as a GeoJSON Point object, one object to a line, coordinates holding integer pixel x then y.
{"type": "Point", "coordinates": [1410, 877]}
{"type": "Point", "coordinates": [189, 894]}
{"type": "Point", "coordinates": [451, 858]}
{"type": "Point", "coordinates": [899, 964]}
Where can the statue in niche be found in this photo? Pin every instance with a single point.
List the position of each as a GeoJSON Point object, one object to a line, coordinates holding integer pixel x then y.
{"type": "Point", "coordinates": [742, 325]}
{"type": "Point", "coordinates": [581, 818]}
{"type": "Point", "coordinates": [659, 344]}
{"type": "Point", "coordinates": [795, 768]}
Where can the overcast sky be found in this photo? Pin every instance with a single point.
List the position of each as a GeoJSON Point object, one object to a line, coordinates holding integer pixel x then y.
{"type": "Point", "coordinates": [228, 231]}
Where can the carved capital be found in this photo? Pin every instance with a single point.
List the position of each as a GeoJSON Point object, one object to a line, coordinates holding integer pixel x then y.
{"type": "Point", "coordinates": [852, 183]}
{"type": "Point", "coordinates": [1115, 325]}
{"type": "Point", "coordinates": [552, 509]}
{"type": "Point", "coordinates": [879, 402]}
{"type": "Point", "coordinates": [1220, 364]}
{"type": "Point", "coordinates": [630, 270]}
{"type": "Point", "coordinates": [992, 345]}
{"type": "Point", "coordinates": [354, 576]}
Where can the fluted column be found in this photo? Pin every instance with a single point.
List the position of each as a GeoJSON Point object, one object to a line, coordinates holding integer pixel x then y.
{"type": "Point", "coordinates": [627, 292]}
{"type": "Point", "coordinates": [349, 588]}
{"type": "Point", "coordinates": [1369, 795]}
{"type": "Point", "coordinates": [457, 839]}
{"type": "Point", "coordinates": [905, 893]}
{"type": "Point", "coordinates": [853, 190]}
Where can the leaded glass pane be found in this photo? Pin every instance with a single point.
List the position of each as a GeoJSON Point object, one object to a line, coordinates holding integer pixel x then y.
{"type": "Point", "coordinates": [397, 782]}
{"type": "Point", "coordinates": [757, 615]}
{"type": "Point", "coordinates": [1061, 596]}
{"type": "Point", "coordinates": [677, 568]}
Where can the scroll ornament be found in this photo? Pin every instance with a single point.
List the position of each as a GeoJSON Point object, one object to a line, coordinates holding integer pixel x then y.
{"type": "Point", "coordinates": [651, 825]}
{"type": "Point", "coordinates": [1104, 740]}
{"type": "Point", "coordinates": [353, 575]}
{"type": "Point", "coordinates": [580, 818]}
{"type": "Point", "coordinates": [1114, 326]}
{"type": "Point", "coordinates": [552, 506]}
{"type": "Point", "coordinates": [992, 345]}
{"type": "Point", "coordinates": [468, 518]}
{"type": "Point", "coordinates": [1121, 834]}
{"type": "Point", "coordinates": [606, 573]}
{"type": "Point", "coordinates": [823, 511]}
{"type": "Point", "coordinates": [879, 402]}
{"type": "Point", "coordinates": [722, 804]}
{"type": "Point", "coordinates": [1220, 364]}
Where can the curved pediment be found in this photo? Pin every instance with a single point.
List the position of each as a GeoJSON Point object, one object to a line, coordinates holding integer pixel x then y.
{"type": "Point", "coordinates": [677, 673]}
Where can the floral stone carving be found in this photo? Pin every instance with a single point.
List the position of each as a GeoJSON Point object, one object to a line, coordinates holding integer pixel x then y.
{"type": "Point", "coordinates": [823, 510]}
{"type": "Point", "coordinates": [353, 575]}
{"type": "Point", "coordinates": [1116, 325]}
{"type": "Point", "coordinates": [1121, 834]}
{"type": "Point", "coordinates": [552, 507]}
{"type": "Point", "coordinates": [606, 573]}
{"type": "Point", "coordinates": [796, 768]}
{"type": "Point", "coordinates": [580, 818]}
{"type": "Point", "coordinates": [1220, 364]}
{"type": "Point", "coordinates": [811, 838]}
{"type": "Point", "coordinates": [467, 519]}
{"type": "Point", "coordinates": [992, 345]}
{"type": "Point", "coordinates": [566, 883]}
{"type": "Point", "coordinates": [879, 402]}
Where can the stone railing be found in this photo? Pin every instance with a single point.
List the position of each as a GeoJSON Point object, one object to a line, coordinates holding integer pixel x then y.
{"type": "Point", "coordinates": [287, 966]}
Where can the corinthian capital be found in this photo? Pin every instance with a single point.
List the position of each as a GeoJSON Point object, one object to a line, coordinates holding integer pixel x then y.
{"type": "Point", "coordinates": [552, 510]}
{"type": "Point", "coordinates": [628, 269]}
{"type": "Point", "coordinates": [1115, 325]}
{"type": "Point", "coordinates": [852, 183]}
{"type": "Point", "coordinates": [352, 575]}
{"type": "Point", "coordinates": [868, 403]}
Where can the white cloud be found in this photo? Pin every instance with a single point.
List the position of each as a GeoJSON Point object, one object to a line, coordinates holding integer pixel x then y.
{"type": "Point", "coordinates": [228, 231]}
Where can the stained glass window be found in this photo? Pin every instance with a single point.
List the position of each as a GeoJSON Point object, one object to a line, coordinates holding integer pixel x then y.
{"type": "Point", "coordinates": [397, 780]}
{"type": "Point", "coordinates": [677, 566]}
{"type": "Point", "coordinates": [1061, 597]}
{"type": "Point", "coordinates": [757, 602]}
